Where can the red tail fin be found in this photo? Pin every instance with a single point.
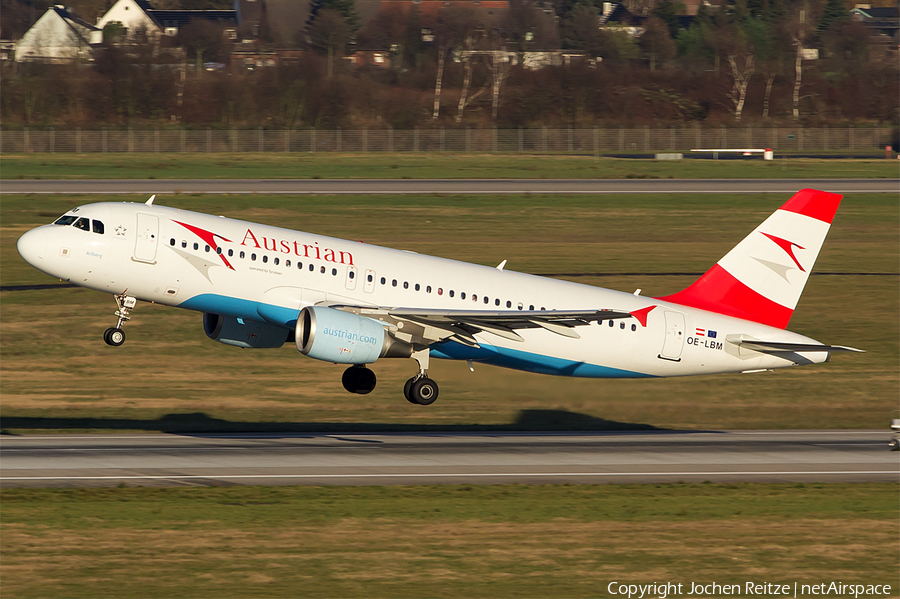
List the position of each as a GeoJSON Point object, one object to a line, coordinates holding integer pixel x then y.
{"type": "Point", "coordinates": [761, 279]}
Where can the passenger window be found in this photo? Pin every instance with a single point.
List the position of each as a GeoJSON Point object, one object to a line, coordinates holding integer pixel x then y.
{"type": "Point", "coordinates": [322, 270]}
{"type": "Point", "coordinates": [486, 300]}
{"type": "Point", "coordinates": [622, 325]}
{"type": "Point", "coordinates": [451, 293]}
{"type": "Point", "coordinates": [183, 244]}
{"type": "Point", "coordinates": [334, 272]}
{"type": "Point", "coordinates": [98, 228]}
{"type": "Point", "coordinates": [611, 323]}
{"type": "Point", "coordinates": [406, 284]}
{"type": "Point", "coordinates": [65, 221]}
{"type": "Point", "coordinates": [230, 253]}
{"type": "Point", "coordinates": [428, 289]}
{"type": "Point", "coordinates": [351, 274]}
{"type": "Point", "coordinates": [312, 267]}
{"type": "Point", "coordinates": [497, 302]}
{"type": "Point", "coordinates": [383, 280]}
{"type": "Point", "coordinates": [253, 257]}
{"type": "Point", "coordinates": [219, 251]}
{"type": "Point", "coordinates": [394, 283]}
{"type": "Point", "coordinates": [531, 308]}
{"type": "Point", "coordinates": [520, 306]}
{"type": "Point", "coordinates": [172, 241]}
{"type": "Point", "coordinates": [462, 295]}
{"type": "Point", "coordinates": [241, 255]}
{"type": "Point", "coordinates": [276, 261]}
{"type": "Point", "coordinates": [83, 224]}
{"type": "Point", "coordinates": [206, 249]}
{"type": "Point", "coordinates": [265, 258]}
{"type": "Point", "coordinates": [370, 278]}
{"type": "Point", "coordinates": [508, 304]}
{"type": "Point", "coordinates": [417, 287]}
{"type": "Point", "coordinates": [287, 263]}
{"type": "Point", "coordinates": [196, 246]}
{"type": "Point", "coordinates": [634, 327]}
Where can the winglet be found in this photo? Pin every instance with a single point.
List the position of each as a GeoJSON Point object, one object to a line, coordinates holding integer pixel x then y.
{"type": "Point", "coordinates": [150, 201]}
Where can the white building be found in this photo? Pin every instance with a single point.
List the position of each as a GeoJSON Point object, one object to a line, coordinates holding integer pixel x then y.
{"type": "Point", "coordinates": [133, 16]}
{"type": "Point", "coordinates": [58, 37]}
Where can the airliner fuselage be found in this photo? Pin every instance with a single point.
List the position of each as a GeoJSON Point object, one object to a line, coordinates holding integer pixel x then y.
{"type": "Point", "coordinates": [260, 286]}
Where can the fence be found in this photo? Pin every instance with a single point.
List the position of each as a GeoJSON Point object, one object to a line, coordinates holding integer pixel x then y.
{"type": "Point", "coordinates": [532, 141]}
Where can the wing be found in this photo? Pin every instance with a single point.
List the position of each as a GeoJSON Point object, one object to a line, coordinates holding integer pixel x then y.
{"type": "Point", "coordinates": [424, 326]}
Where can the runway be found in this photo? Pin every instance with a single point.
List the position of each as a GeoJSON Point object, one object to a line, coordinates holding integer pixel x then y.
{"type": "Point", "coordinates": [449, 186]}
{"type": "Point", "coordinates": [452, 458]}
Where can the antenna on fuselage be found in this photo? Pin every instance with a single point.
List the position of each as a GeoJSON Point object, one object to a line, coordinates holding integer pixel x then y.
{"type": "Point", "coordinates": [150, 201]}
{"type": "Point", "coordinates": [501, 265]}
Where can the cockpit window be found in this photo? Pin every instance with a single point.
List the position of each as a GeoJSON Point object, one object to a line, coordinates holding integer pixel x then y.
{"type": "Point", "coordinates": [83, 223]}
{"type": "Point", "coordinates": [65, 220]}
{"type": "Point", "coordinates": [98, 227]}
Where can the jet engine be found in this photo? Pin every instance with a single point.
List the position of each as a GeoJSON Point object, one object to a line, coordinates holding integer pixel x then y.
{"type": "Point", "coordinates": [243, 333]}
{"type": "Point", "coordinates": [345, 338]}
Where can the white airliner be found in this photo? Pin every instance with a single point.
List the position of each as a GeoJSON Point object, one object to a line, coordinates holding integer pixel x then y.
{"type": "Point", "coordinates": [340, 301]}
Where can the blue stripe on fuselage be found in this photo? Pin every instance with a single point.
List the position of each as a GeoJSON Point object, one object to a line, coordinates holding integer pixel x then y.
{"type": "Point", "coordinates": [529, 362]}
{"type": "Point", "coordinates": [240, 308]}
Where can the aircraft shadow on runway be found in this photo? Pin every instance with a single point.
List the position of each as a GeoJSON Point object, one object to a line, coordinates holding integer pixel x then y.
{"type": "Point", "coordinates": [198, 422]}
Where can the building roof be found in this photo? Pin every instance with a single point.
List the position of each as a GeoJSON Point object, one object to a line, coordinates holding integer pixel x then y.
{"type": "Point", "coordinates": [180, 18]}
{"type": "Point", "coordinates": [430, 9]}
{"type": "Point", "coordinates": [884, 13]}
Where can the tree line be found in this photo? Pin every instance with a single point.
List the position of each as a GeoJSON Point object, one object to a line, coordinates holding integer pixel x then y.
{"type": "Point", "coordinates": [749, 62]}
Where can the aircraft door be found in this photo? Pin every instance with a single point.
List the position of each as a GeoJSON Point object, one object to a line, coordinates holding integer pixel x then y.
{"type": "Point", "coordinates": [147, 238]}
{"type": "Point", "coordinates": [369, 287]}
{"type": "Point", "coordinates": [352, 275]}
{"type": "Point", "coordinates": [674, 340]}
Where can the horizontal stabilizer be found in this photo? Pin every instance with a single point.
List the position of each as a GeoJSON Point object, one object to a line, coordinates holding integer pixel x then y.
{"type": "Point", "coordinates": [779, 346]}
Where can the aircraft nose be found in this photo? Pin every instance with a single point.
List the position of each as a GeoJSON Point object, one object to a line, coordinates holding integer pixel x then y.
{"type": "Point", "coordinates": [32, 246]}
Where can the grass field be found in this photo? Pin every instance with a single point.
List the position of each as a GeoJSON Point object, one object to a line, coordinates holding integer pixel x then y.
{"type": "Point", "coordinates": [446, 541]}
{"type": "Point", "coordinates": [420, 166]}
{"type": "Point", "coordinates": [56, 373]}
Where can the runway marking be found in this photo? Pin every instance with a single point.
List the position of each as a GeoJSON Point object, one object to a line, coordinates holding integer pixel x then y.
{"type": "Point", "coordinates": [451, 475]}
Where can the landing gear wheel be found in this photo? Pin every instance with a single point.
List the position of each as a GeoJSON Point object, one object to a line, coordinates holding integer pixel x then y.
{"type": "Point", "coordinates": [406, 388]}
{"type": "Point", "coordinates": [114, 336]}
{"type": "Point", "coordinates": [423, 391]}
{"type": "Point", "coordinates": [358, 379]}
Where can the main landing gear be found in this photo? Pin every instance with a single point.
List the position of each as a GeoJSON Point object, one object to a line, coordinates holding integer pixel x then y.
{"type": "Point", "coordinates": [358, 379]}
{"type": "Point", "coordinates": [420, 389]}
{"type": "Point", "coordinates": [115, 336]}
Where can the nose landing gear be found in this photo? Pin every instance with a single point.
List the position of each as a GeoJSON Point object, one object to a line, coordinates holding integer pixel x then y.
{"type": "Point", "coordinates": [115, 336]}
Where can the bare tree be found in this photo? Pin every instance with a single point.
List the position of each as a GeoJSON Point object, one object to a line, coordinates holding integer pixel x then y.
{"type": "Point", "coordinates": [799, 29]}
{"type": "Point", "coordinates": [741, 79]}
{"type": "Point", "coordinates": [455, 25]}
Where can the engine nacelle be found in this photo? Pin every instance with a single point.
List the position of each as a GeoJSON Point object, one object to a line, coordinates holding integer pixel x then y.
{"type": "Point", "coordinates": [243, 333]}
{"type": "Point", "coordinates": [345, 338]}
